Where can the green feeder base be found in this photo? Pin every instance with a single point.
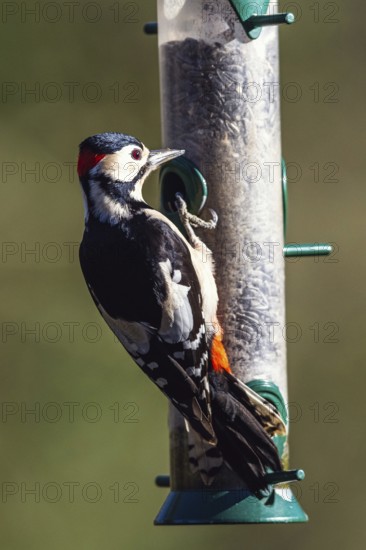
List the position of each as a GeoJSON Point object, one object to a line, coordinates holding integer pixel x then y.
{"type": "Point", "coordinates": [228, 507]}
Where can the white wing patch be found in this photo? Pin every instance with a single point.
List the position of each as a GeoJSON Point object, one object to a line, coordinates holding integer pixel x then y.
{"type": "Point", "coordinates": [196, 342]}
{"type": "Point", "coordinates": [177, 319]}
{"type": "Point", "coordinates": [194, 371]}
{"type": "Point", "coordinates": [177, 276]}
{"type": "Point", "coordinates": [152, 365]}
{"type": "Point", "coordinates": [203, 266]}
{"type": "Point", "coordinates": [161, 382]}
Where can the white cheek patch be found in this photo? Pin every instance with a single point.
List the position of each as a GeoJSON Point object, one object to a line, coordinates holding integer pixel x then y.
{"type": "Point", "coordinates": [122, 166]}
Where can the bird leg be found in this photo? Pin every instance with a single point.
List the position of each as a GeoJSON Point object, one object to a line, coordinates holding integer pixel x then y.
{"type": "Point", "coordinates": [188, 220]}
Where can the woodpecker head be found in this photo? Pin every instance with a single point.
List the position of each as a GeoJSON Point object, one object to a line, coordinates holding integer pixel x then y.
{"type": "Point", "coordinates": [112, 168]}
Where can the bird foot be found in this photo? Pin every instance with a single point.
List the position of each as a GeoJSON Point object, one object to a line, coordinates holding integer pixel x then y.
{"type": "Point", "coordinates": [190, 219]}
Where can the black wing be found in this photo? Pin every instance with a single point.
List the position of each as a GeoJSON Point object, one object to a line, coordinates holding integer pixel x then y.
{"type": "Point", "coordinates": [145, 286]}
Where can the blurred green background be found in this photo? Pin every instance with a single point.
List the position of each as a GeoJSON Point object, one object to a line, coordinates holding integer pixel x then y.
{"type": "Point", "coordinates": [98, 435]}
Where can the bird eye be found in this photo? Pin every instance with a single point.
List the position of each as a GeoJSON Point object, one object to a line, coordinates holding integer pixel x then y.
{"type": "Point", "coordinates": [136, 154]}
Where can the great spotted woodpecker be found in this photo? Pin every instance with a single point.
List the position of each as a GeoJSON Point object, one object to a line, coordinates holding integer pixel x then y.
{"type": "Point", "coordinates": [160, 299]}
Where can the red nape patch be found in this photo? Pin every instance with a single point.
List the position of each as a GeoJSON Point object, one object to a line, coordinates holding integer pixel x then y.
{"type": "Point", "coordinates": [87, 160]}
{"type": "Point", "coordinates": [219, 358]}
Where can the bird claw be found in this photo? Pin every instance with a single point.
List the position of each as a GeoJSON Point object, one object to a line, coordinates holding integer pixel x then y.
{"type": "Point", "coordinates": [181, 205]}
{"type": "Point", "coordinates": [214, 219]}
{"type": "Point", "coordinates": [190, 219]}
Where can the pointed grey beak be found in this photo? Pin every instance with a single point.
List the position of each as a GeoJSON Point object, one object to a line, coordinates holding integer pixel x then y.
{"type": "Point", "coordinates": [160, 156]}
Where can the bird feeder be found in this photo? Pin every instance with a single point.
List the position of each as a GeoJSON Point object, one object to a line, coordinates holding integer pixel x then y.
{"type": "Point", "coordinates": [219, 74]}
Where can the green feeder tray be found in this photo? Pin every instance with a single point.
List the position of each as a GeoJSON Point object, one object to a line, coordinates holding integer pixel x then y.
{"type": "Point", "coordinates": [231, 507]}
{"type": "Point", "coordinates": [210, 507]}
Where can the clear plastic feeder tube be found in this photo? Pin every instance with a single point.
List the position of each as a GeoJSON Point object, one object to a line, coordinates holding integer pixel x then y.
{"type": "Point", "coordinates": [220, 102]}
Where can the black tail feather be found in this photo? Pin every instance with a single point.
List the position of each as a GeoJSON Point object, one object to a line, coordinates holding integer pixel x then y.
{"type": "Point", "coordinates": [244, 443]}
